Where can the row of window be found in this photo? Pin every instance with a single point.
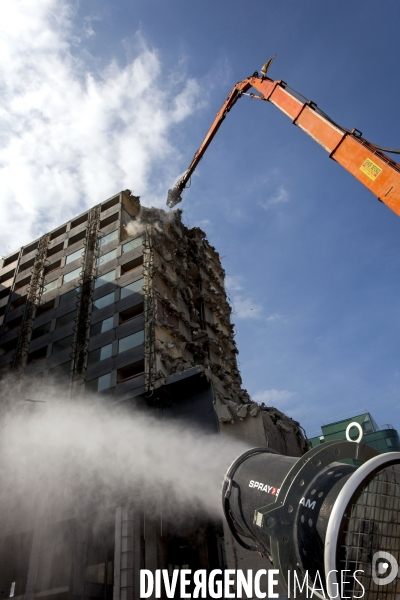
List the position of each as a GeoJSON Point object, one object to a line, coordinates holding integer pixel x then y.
{"type": "Point", "coordinates": [95, 329]}
{"type": "Point", "coordinates": [104, 382]}
{"type": "Point", "coordinates": [102, 260]}
{"type": "Point", "coordinates": [125, 343]}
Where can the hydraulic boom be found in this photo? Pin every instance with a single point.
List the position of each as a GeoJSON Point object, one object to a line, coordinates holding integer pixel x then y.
{"type": "Point", "coordinates": [377, 171]}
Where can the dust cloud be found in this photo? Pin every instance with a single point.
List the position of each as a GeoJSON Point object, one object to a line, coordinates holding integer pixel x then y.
{"type": "Point", "coordinates": [77, 453]}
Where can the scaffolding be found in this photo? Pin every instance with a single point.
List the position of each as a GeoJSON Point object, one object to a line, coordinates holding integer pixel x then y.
{"type": "Point", "coordinates": [34, 293]}
{"type": "Point", "coordinates": [85, 296]}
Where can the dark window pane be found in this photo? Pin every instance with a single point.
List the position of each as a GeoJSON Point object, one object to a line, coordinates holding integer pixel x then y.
{"type": "Point", "coordinates": [69, 296]}
{"type": "Point", "coordinates": [61, 371]}
{"type": "Point", "coordinates": [65, 319]}
{"type": "Point", "coordinates": [131, 313]}
{"type": "Point", "coordinates": [62, 344]}
{"type": "Point", "coordinates": [41, 330]}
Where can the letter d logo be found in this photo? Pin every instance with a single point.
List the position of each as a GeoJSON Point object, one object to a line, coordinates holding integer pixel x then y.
{"type": "Point", "coordinates": [383, 567]}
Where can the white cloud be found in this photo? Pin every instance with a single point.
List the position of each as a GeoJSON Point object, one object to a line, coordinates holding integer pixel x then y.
{"type": "Point", "coordinates": [283, 400]}
{"type": "Point", "coordinates": [281, 196]}
{"type": "Point", "coordinates": [274, 317]}
{"type": "Point", "coordinates": [246, 308]}
{"type": "Point", "coordinates": [233, 283]}
{"type": "Point", "coordinates": [202, 223]}
{"type": "Point", "coordinates": [70, 138]}
{"type": "Point", "coordinates": [243, 306]}
{"type": "Point", "coordinates": [273, 397]}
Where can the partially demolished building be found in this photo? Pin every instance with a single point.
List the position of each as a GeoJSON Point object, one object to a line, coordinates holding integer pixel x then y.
{"type": "Point", "coordinates": [127, 302]}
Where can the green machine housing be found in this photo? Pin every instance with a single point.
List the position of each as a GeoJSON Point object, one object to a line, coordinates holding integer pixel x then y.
{"type": "Point", "coordinates": [383, 438]}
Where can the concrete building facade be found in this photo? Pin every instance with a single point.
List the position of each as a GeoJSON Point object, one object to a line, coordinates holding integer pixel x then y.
{"type": "Point", "coordinates": [125, 302]}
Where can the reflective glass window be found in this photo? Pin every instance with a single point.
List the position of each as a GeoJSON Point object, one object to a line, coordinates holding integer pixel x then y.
{"type": "Point", "coordinates": [74, 256]}
{"type": "Point", "coordinates": [99, 384]}
{"type": "Point", "coordinates": [108, 238]}
{"type": "Point", "coordinates": [104, 301]}
{"type": "Point", "coordinates": [132, 244]}
{"type": "Point", "coordinates": [51, 285]}
{"type": "Point", "coordinates": [102, 279]}
{"type": "Point", "coordinates": [106, 257]}
{"type": "Point", "coordinates": [72, 275]}
{"type": "Point", "coordinates": [131, 288]}
{"type": "Point", "coordinates": [102, 326]}
{"type": "Point", "coordinates": [130, 341]}
{"type": "Point", "coordinates": [100, 354]}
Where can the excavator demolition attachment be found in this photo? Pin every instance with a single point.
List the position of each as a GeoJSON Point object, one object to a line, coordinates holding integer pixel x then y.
{"type": "Point", "coordinates": [366, 161]}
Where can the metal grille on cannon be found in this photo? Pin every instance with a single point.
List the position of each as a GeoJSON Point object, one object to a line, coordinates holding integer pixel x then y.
{"type": "Point", "coordinates": [372, 524]}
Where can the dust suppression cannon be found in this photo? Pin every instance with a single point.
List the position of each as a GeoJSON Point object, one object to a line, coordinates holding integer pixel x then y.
{"type": "Point", "coordinates": [329, 521]}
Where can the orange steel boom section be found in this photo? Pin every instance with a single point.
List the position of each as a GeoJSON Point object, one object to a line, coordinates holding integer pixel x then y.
{"type": "Point", "coordinates": [378, 172]}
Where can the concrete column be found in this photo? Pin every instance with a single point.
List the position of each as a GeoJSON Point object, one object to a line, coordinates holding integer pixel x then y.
{"type": "Point", "coordinates": [34, 561]}
{"type": "Point", "coordinates": [137, 552]}
{"type": "Point", "coordinates": [79, 559]}
{"type": "Point", "coordinates": [124, 554]}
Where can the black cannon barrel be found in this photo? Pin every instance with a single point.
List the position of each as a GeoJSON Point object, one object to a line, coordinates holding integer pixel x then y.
{"type": "Point", "coordinates": [336, 509]}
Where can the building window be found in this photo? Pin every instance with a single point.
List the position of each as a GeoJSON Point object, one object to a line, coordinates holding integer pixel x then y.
{"type": "Point", "coordinates": [61, 371]}
{"type": "Point", "coordinates": [130, 371]}
{"type": "Point", "coordinates": [72, 275]}
{"type": "Point", "coordinates": [131, 313]}
{"type": "Point", "coordinates": [69, 296]}
{"type": "Point", "coordinates": [53, 267]}
{"type": "Point", "coordinates": [102, 260]}
{"type": "Point", "coordinates": [43, 308]}
{"type": "Point", "coordinates": [55, 249]}
{"type": "Point", "coordinates": [102, 326]}
{"type": "Point", "coordinates": [105, 278]}
{"type": "Point", "coordinates": [100, 354]}
{"type": "Point", "coordinates": [41, 330]}
{"type": "Point", "coordinates": [132, 244]}
{"type": "Point", "coordinates": [51, 285]}
{"type": "Point", "coordinates": [104, 301]}
{"type": "Point", "coordinates": [66, 319]}
{"type": "Point", "coordinates": [14, 323]}
{"type": "Point", "coordinates": [62, 344]}
{"type": "Point", "coordinates": [9, 346]}
{"type": "Point", "coordinates": [132, 288]}
{"type": "Point", "coordinates": [17, 303]}
{"type": "Point", "coordinates": [131, 265]}
{"type": "Point", "coordinates": [99, 384]}
{"type": "Point", "coordinates": [74, 256]}
{"type": "Point", "coordinates": [37, 355]}
{"type": "Point", "coordinates": [130, 341]}
{"type": "Point", "coordinates": [108, 238]}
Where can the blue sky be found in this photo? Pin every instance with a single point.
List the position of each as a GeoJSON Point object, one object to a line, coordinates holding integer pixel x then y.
{"type": "Point", "coordinates": [96, 97]}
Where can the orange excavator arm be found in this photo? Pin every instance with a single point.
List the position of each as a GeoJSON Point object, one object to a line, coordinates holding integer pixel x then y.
{"type": "Point", "coordinates": [367, 162]}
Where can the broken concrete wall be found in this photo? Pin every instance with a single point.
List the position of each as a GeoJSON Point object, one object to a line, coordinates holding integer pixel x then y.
{"type": "Point", "coordinates": [188, 324]}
